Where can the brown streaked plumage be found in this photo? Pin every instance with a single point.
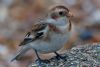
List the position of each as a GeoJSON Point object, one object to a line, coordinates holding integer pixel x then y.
{"type": "Point", "coordinates": [70, 25]}
{"type": "Point", "coordinates": [60, 7]}
{"type": "Point", "coordinates": [38, 27]}
{"type": "Point", "coordinates": [34, 31]}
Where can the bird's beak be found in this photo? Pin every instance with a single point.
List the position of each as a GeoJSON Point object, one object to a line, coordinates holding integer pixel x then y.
{"type": "Point", "coordinates": [50, 21]}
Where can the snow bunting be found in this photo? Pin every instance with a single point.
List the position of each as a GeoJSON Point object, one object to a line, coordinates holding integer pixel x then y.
{"type": "Point", "coordinates": [50, 35]}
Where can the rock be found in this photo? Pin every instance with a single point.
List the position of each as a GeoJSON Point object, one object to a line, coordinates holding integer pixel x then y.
{"type": "Point", "coordinates": [79, 56]}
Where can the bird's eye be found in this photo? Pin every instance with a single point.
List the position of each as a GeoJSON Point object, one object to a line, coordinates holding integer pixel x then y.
{"type": "Point", "coordinates": [61, 13]}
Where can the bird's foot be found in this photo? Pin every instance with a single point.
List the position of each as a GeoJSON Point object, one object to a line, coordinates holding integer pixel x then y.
{"type": "Point", "coordinates": [40, 62]}
{"type": "Point", "coordinates": [61, 57]}
{"type": "Point", "coordinates": [58, 57]}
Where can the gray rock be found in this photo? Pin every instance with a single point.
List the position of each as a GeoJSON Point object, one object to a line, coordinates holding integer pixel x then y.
{"type": "Point", "coordinates": [83, 56]}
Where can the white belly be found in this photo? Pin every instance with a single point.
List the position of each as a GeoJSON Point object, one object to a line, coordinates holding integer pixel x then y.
{"type": "Point", "coordinates": [56, 42]}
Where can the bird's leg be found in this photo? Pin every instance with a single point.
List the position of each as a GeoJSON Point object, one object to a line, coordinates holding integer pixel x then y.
{"type": "Point", "coordinates": [39, 59]}
{"type": "Point", "coordinates": [37, 55]}
{"type": "Point", "coordinates": [58, 56]}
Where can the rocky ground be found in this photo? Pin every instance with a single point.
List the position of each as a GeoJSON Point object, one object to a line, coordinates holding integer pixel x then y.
{"type": "Point", "coordinates": [81, 56]}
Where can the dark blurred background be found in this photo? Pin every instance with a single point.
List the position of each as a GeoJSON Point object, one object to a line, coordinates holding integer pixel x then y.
{"type": "Point", "coordinates": [18, 16]}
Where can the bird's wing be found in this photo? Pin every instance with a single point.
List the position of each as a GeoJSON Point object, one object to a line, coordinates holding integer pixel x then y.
{"type": "Point", "coordinates": [37, 32]}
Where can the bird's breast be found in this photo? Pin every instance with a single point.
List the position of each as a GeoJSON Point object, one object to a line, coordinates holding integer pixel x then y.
{"type": "Point", "coordinates": [56, 42]}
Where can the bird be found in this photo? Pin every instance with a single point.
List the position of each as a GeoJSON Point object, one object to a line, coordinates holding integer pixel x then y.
{"type": "Point", "coordinates": [48, 35]}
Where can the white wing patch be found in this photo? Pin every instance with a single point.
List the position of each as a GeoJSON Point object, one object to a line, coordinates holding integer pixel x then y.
{"type": "Point", "coordinates": [45, 30]}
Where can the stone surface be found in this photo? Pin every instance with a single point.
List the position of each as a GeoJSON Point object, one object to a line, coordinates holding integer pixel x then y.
{"type": "Point", "coordinates": [80, 56]}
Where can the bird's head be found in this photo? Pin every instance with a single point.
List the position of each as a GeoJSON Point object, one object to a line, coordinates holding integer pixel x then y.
{"type": "Point", "coordinates": [59, 16]}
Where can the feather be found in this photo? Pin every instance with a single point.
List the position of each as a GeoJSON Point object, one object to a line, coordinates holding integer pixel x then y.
{"type": "Point", "coordinates": [36, 32]}
{"type": "Point", "coordinates": [26, 41]}
{"type": "Point", "coordinates": [20, 53]}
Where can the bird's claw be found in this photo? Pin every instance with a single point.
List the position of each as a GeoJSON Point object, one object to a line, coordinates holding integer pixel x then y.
{"type": "Point", "coordinates": [58, 57]}
{"type": "Point", "coordinates": [39, 61]}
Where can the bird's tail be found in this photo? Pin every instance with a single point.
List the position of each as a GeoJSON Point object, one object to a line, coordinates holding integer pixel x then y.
{"type": "Point", "coordinates": [23, 50]}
